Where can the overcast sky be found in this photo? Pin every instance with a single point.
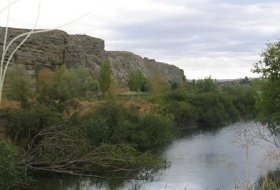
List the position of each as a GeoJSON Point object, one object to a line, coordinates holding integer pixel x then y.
{"type": "Point", "coordinates": [221, 38]}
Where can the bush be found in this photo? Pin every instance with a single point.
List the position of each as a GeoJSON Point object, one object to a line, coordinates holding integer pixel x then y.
{"type": "Point", "coordinates": [97, 131]}
{"type": "Point", "coordinates": [11, 173]}
{"type": "Point", "coordinates": [183, 113]}
{"type": "Point", "coordinates": [125, 132]}
{"type": "Point", "coordinates": [19, 84]}
{"type": "Point", "coordinates": [24, 124]}
{"type": "Point", "coordinates": [243, 98]}
{"type": "Point", "coordinates": [56, 89]}
{"type": "Point", "coordinates": [157, 130]}
{"type": "Point", "coordinates": [112, 123]}
{"type": "Point", "coordinates": [211, 110]}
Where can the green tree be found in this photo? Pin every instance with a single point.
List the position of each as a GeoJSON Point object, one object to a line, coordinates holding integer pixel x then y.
{"type": "Point", "coordinates": [19, 84]}
{"type": "Point", "coordinates": [136, 81]}
{"type": "Point", "coordinates": [206, 85]}
{"type": "Point", "coordinates": [158, 85]}
{"type": "Point", "coordinates": [268, 101]}
{"type": "Point", "coordinates": [105, 78]}
{"type": "Point", "coordinates": [56, 88]}
{"type": "Point", "coordinates": [83, 82]}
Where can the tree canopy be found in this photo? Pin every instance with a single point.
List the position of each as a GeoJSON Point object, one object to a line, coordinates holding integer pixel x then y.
{"type": "Point", "coordinates": [136, 80]}
{"type": "Point", "coordinates": [268, 101]}
{"type": "Point", "coordinates": [105, 78]}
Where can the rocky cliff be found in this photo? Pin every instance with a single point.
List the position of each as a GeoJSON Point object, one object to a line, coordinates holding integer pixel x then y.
{"type": "Point", "coordinates": [56, 48]}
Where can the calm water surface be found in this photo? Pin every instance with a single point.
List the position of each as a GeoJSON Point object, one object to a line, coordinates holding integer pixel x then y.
{"type": "Point", "coordinates": [203, 160]}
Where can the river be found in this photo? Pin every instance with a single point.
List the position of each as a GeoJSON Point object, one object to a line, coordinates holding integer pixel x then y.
{"type": "Point", "coordinates": [224, 158]}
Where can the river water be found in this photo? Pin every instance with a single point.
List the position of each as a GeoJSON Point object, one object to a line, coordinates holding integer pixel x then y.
{"type": "Point", "coordinates": [225, 158]}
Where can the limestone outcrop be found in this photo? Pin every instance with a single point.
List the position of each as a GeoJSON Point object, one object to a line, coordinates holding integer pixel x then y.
{"type": "Point", "coordinates": [56, 48]}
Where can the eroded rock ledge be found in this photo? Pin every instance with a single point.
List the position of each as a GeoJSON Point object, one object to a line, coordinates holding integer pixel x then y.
{"type": "Point", "coordinates": [56, 48]}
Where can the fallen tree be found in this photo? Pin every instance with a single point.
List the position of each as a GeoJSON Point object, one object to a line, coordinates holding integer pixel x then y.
{"type": "Point", "coordinates": [67, 150]}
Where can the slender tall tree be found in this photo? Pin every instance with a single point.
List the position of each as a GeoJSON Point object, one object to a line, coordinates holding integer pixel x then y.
{"type": "Point", "coordinates": [105, 78]}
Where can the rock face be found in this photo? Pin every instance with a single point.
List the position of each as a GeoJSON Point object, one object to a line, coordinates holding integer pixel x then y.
{"type": "Point", "coordinates": [56, 48]}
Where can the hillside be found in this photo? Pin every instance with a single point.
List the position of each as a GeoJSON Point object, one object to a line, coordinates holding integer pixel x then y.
{"type": "Point", "coordinates": [56, 48]}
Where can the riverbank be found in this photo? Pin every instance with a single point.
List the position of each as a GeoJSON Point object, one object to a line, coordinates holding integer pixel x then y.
{"type": "Point", "coordinates": [60, 128]}
{"type": "Point", "coordinates": [202, 159]}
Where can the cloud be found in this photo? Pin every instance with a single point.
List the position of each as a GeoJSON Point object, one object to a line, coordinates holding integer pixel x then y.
{"type": "Point", "coordinates": [222, 38]}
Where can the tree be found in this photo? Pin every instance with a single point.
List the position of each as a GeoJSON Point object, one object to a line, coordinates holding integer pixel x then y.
{"type": "Point", "coordinates": [56, 88]}
{"type": "Point", "coordinates": [157, 84]}
{"type": "Point", "coordinates": [9, 53]}
{"type": "Point", "coordinates": [136, 81]}
{"type": "Point", "coordinates": [19, 87]}
{"type": "Point", "coordinates": [105, 78]}
{"type": "Point", "coordinates": [206, 85]}
{"type": "Point", "coordinates": [268, 101]}
{"type": "Point", "coordinates": [83, 83]}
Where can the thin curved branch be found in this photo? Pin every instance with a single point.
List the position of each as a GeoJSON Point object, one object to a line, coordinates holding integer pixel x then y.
{"type": "Point", "coordinates": [5, 8]}
{"type": "Point", "coordinates": [26, 35]}
{"type": "Point", "coordinates": [22, 42]}
{"type": "Point", "coordinates": [43, 30]}
{"type": "Point", "coordinates": [5, 38]}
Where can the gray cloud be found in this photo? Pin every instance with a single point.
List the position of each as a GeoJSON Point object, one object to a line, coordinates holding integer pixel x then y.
{"type": "Point", "coordinates": [222, 38]}
{"type": "Point", "coordinates": [228, 34]}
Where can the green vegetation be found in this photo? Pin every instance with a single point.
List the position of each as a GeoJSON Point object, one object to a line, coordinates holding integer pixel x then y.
{"type": "Point", "coordinates": [136, 81]}
{"type": "Point", "coordinates": [63, 128]}
{"type": "Point", "coordinates": [270, 182]}
{"type": "Point", "coordinates": [19, 87]}
{"type": "Point", "coordinates": [105, 78]}
{"type": "Point", "coordinates": [112, 123]}
{"type": "Point", "coordinates": [207, 104]}
{"type": "Point", "coordinates": [268, 102]}
{"type": "Point", "coordinates": [12, 175]}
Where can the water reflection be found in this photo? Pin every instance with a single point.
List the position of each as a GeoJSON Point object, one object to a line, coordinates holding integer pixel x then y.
{"type": "Point", "coordinates": [200, 161]}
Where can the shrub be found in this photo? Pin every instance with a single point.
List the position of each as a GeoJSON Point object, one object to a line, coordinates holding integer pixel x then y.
{"type": "Point", "coordinates": [11, 173]}
{"type": "Point", "coordinates": [211, 110]}
{"type": "Point", "coordinates": [182, 111]}
{"type": "Point", "coordinates": [19, 84]}
{"type": "Point", "coordinates": [125, 132]}
{"type": "Point", "coordinates": [83, 84]}
{"type": "Point", "coordinates": [24, 124]}
{"type": "Point", "coordinates": [112, 123]}
{"type": "Point", "coordinates": [56, 88]}
{"type": "Point", "coordinates": [157, 130]}
{"type": "Point", "coordinates": [97, 131]}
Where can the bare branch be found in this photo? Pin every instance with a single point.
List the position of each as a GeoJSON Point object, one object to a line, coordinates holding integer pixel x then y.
{"type": "Point", "coordinates": [26, 35]}
{"type": "Point", "coordinates": [10, 4]}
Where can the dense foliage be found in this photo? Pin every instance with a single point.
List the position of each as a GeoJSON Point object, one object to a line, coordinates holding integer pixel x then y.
{"type": "Point", "coordinates": [136, 81]}
{"type": "Point", "coordinates": [19, 87]}
{"type": "Point", "coordinates": [112, 123]}
{"type": "Point", "coordinates": [62, 133]}
{"type": "Point", "coordinates": [105, 78]}
{"type": "Point", "coordinates": [12, 175]}
{"type": "Point", "coordinates": [207, 104]}
{"type": "Point", "coordinates": [269, 95]}
{"type": "Point", "coordinates": [268, 99]}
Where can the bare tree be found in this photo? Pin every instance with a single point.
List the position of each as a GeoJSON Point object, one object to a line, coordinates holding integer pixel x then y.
{"type": "Point", "coordinates": [249, 136]}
